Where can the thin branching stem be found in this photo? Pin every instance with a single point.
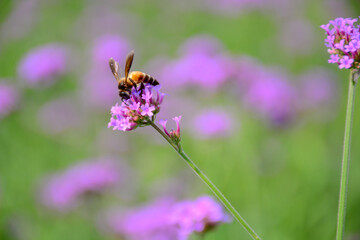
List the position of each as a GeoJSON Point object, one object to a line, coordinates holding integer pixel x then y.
{"type": "Point", "coordinates": [346, 156]}
{"type": "Point", "coordinates": [207, 181]}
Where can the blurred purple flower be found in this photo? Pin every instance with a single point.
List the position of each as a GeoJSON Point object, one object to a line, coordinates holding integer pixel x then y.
{"type": "Point", "coordinates": [318, 90]}
{"type": "Point", "coordinates": [98, 89]}
{"type": "Point", "coordinates": [63, 191]}
{"type": "Point", "coordinates": [246, 70]}
{"type": "Point", "coordinates": [197, 216]}
{"type": "Point", "coordinates": [109, 46]}
{"type": "Point", "coordinates": [200, 69]}
{"type": "Point", "coordinates": [234, 6]}
{"type": "Point", "coordinates": [9, 98]}
{"type": "Point", "coordinates": [43, 64]}
{"type": "Point", "coordinates": [52, 122]}
{"type": "Point", "coordinates": [338, 8]}
{"type": "Point", "coordinates": [297, 37]}
{"type": "Point", "coordinates": [166, 220]}
{"type": "Point", "coordinates": [212, 124]}
{"type": "Point", "coordinates": [272, 97]}
{"type": "Point", "coordinates": [150, 222]}
{"type": "Point", "coordinates": [20, 20]}
{"type": "Point", "coordinates": [201, 44]}
{"type": "Point", "coordinates": [200, 64]}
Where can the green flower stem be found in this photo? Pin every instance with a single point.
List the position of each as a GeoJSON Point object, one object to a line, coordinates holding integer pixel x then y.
{"type": "Point", "coordinates": [346, 156]}
{"type": "Point", "coordinates": [213, 188]}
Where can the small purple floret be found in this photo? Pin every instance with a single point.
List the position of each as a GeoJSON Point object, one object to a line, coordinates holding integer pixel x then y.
{"type": "Point", "coordinates": [346, 62]}
{"type": "Point", "coordinates": [173, 134]}
{"type": "Point", "coordinates": [334, 58]}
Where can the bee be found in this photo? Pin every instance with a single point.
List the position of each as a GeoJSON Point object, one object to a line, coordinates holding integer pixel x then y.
{"type": "Point", "coordinates": [134, 79]}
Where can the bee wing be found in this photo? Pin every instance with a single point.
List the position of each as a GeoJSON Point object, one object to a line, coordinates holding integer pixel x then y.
{"type": "Point", "coordinates": [115, 69]}
{"type": "Point", "coordinates": [129, 60]}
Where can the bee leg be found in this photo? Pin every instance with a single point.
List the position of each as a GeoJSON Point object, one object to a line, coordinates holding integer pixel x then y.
{"type": "Point", "coordinates": [142, 86]}
{"type": "Point", "coordinates": [132, 81]}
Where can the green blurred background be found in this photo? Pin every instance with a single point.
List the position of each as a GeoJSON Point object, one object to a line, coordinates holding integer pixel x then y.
{"type": "Point", "coordinates": [283, 180]}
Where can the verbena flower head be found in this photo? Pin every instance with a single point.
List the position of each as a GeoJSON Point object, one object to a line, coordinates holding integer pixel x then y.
{"type": "Point", "coordinates": [138, 110]}
{"type": "Point", "coordinates": [9, 98]}
{"type": "Point", "coordinates": [43, 64]}
{"type": "Point", "coordinates": [62, 191]}
{"type": "Point", "coordinates": [197, 216]}
{"type": "Point", "coordinates": [343, 42]}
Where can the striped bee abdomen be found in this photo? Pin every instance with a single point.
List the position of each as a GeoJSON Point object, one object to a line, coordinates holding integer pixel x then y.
{"type": "Point", "coordinates": [150, 79]}
{"type": "Point", "coordinates": [140, 77]}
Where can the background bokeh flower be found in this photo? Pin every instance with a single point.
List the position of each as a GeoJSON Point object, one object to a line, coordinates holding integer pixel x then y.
{"type": "Point", "coordinates": [63, 191]}
{"type": "Point", "coordinates": [147, 222]}
{"type": "Point", "coordinates": [43, 64]}
{"type": "Point", "coordinates": [272, 97]}
{"type": "Point", "coordinates": [197, 216]}
{"type": "Point", "coordinates": [9, 98]}
{"type": "Point", "coordinates": [61, 115]}
{"type": "Point", "coordinates": [212, 123]}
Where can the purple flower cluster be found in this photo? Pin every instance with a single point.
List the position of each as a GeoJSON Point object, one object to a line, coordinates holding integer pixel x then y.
{"type": "Point", "coordinates": [168, 220]}
{"type": "Point", "coordinates": [62, 191]}
{"type": "Point", "coordinates": [138, 110]}
{"type": "Point", "coordinates": [343, 42]}
{"type": "Point", "coordinates": [196, 216]}
{"type": "Point", "coordinates": [9, 98]}
{"type": "Point", "coordinates": [43, 64]}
